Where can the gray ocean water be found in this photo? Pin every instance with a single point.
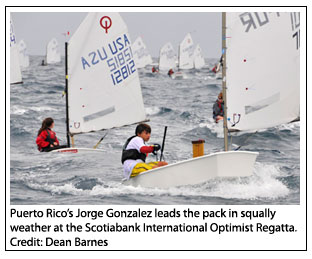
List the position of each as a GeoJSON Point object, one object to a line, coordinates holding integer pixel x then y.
{"type": "Point", "coordinates": [185, 106]}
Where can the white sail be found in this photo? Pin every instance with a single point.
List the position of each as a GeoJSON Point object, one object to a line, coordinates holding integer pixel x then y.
{"type": "Point", "coordinates": [167, 58]}
{"type": "Point", "coordinates": [103, 84]}
{"type": "Point", "coordinates": [199, 60]}
{"type": "Point", "coordinates": [140, 53]}
{"type": "Point", "coordinates": [186, 49]}
{"type": "Point", "coordinates": [262, 75]}
{"type": "Point", "coordinates": [15, 70]}
{"type": "Point", "coordinates": [23, 56]}
{"type": "Point", "coordinates": [53, 54]}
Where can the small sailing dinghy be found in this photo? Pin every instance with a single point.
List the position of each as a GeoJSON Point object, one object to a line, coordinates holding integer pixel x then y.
{"type": "Point", "coordinates": [140, 53]}
{"type": "Point", "coordinates": [261, 98]}
{"type": "Point", "coordinates": [53, 54]}
{"type": "Point", "coordinates": [103, 90]}
{"type": "Point", "coordinates": [199, 60]}
{"type": "Point", "coordinates": [15, 69]}
{"type": "Point", "coordinates": [167, 58]}
{"type": "Point", "coordinates": [186, 51]}
{"type": "Point", "coordinates": [23, 56]}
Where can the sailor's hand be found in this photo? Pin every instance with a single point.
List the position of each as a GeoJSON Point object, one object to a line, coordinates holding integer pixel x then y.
{"type": "Point", "coordinates": [156, 148]}
{"type": "Point", "coordinates": [55, 144]}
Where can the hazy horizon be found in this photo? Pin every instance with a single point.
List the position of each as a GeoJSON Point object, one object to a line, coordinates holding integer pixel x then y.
{"type": "Point", "coordinates": [155, 28]}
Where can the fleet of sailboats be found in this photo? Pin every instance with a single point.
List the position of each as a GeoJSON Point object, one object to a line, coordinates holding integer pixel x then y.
{"type": "Point", "coordinates": [103, 89]}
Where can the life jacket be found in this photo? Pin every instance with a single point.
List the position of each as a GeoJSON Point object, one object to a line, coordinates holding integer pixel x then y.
{"type": "Point", "coordinates": [51, 138]}
{"type": "Point", "coordinates": [170, 72]}
{"type": "Point", "coordinates": [220, 106]}
{"type": "Point", "coordinates": [132, 154]}
{"type": "Point", "coordinates": [217, 109]}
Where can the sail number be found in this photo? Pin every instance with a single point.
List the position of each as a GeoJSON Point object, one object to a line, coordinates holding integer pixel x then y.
{"type": "Point", "coordinates": [12, 35]}
{"type": "Point", "coordinates": [121, 66]}
{"type": "Point", "coordinates": [256, 20]}
{"type": "Point", "coordinates": [118, 57]}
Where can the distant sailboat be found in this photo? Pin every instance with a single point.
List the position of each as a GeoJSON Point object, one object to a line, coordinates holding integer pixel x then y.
{"type": "Point", "coordinates": [199, 60]}
{"type": "Point", "coordinates": [103, 90]}
{"type": "Point", "coordinates": [167, 58]}
{"type": "Point", "coordinates": [23, 56]}
{"type": "Point", "coordinates": [186, 51]}
{"type": "Point", "coordinates": [262, 97]}
{"type": "Point", "coordinates": [15, 70]}
{"type": "Point", "coordinates": [140, 53]}
{"type": "Point", "coordinates": [53, 53]}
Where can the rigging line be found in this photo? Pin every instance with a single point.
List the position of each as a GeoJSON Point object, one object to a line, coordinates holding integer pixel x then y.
{"type": "Point", "coordinates": [100, 140]}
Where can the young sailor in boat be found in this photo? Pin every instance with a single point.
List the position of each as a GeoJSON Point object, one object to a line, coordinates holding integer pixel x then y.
{"type": "Point", "coordinates": [218, 108]}
{"type": "Point", "coordinates": [170, 72]}
{"type": "Point", "coordinates": [135, 151]}
{"type": "Point", "coordinates": [154, 70]}
{"type": "Point", "coordinates": [46, 138]}
{"type": "Point", "coordinates": [216, 68]}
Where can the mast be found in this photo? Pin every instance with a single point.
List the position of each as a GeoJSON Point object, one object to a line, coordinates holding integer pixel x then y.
{"type": "Point", "coordinates": [225, 129]}
{"type": "Point", "coordinates": [66, 92]}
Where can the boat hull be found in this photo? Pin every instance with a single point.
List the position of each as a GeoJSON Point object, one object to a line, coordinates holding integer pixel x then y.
{"type": "Point", "coordinates": [198, 170]}
{"type": "Point", "coordinates": [77, 150]}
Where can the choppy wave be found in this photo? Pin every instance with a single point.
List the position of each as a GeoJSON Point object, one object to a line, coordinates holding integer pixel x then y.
{"type": "Point", "coordinates": [185, 106]}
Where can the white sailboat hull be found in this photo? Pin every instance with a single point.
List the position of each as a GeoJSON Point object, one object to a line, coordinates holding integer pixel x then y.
{"type": "Point", "coordinates": [178, 75]}
{"type": "Point", "coordinates": [198, 170]}
{"type": "Point", "coordinates": [77, 150]}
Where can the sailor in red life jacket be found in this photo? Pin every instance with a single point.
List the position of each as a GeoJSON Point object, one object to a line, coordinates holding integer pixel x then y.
{"type": "Point", "coordinates": [46, 138]}
{"type": "Point", "coordinates": [216, 68]}
{"type": "Point", "coordinates": [135, 152]}
{"type": "Point", "coordinates": [170, 72]}
{"type": "Point", "coordinates": [154, 70]}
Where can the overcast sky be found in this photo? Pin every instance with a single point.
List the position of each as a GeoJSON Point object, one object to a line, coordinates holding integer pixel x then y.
{"type": "Point", "coordinates": [156, 28]}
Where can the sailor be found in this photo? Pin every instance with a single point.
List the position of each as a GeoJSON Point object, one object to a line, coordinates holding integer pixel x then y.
{"type": "Point", "coordinates": [46, 138]}
{"type": "Point", "coordinates": [216, 68]}
{"type": "Point", "coordinates": [154, 69]}
{"type": "Point", "coordinates": [218, 108]}
{"type": "Point", "coordinates": [135, 151]}
{"type": "Point", "coordinates": [42, 63]}
{"type": "Point", "coordinates": [170, 72]}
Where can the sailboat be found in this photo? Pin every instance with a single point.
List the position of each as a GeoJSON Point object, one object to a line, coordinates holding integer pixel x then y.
{"type": "Point", "coordinates": [262, 98]}
{"type": "Point", "coordinates": [186, 51]}
{"type": "Point", "coordinates": [15, 70]}
{"type": "Point", "coordinates": [270, 95]}
{"type": "Point", "coordinates": [23, 56]}
{"type": "Point", "coordinates": [199, 60]}
{"type": "Point", "coordinates": [103, 90]}
{"type": "Point", "coordinates": [53, 54]}
{"type": "Point", "coordinates": [167, 57]}
{"type": "Point", "coordinates": [140, 53]}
